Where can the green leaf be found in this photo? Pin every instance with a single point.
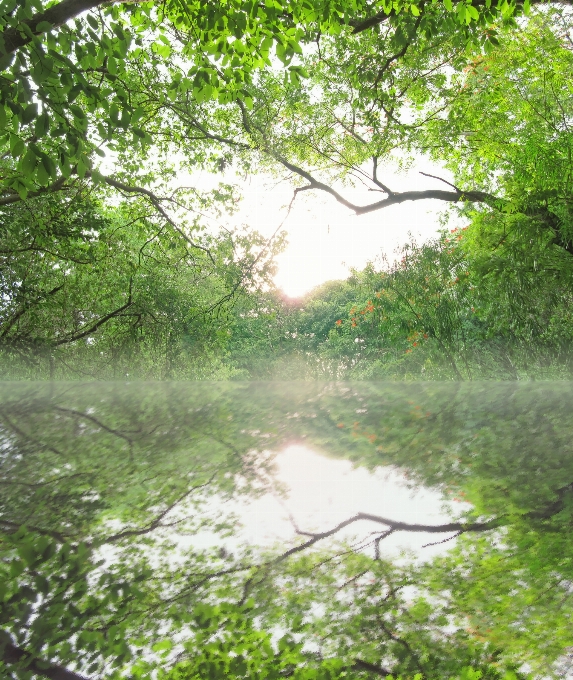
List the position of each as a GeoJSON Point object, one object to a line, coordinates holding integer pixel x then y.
{"type": "Point", "coordinates": [49, 166]}
{"type": "Point", "coordinates": [83, 166]}
{"type": "Point", "coordinates": [44, 27]}
{"type": "Point", "coordinates": [29, 113]}
{"type": "Point", "coordinates": [42, 125]}
{"type": "Point", "coordinates": [17, 146]}
{"type": "Point", "coordinates": [42, 176]}
{"type": "Point", "coordinates": [164, 645]}
{"type": "Point", "coordinates": [28, 163]}
{"type": "Point", "coordinates": [17, 566]}
{"type": "Point", "coordinates": [474, 14]}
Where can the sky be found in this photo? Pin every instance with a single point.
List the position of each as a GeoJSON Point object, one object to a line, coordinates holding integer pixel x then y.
{"type": "Point", "coordinates": [325, 239]}
{"type": "Point", "coordinates": [319, 493]}
{"type": "Point", "coordinates": [323, 491]}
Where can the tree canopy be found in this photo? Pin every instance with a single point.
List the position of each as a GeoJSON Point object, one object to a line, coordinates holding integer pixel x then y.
{"type": "Point", "coordinates": [114, 263]}
{"type": "Point", "coordinates": [119, 556]}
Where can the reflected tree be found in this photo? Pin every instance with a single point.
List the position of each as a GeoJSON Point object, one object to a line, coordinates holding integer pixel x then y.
{"type": "Point", "coordinates": [105, 492]}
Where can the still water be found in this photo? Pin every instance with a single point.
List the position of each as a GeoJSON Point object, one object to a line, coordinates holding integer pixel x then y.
{"type": "Point", "coordinates": [220, 471]}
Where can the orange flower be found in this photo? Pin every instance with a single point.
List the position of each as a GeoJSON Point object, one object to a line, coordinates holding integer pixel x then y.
{"type": "Point", "coordinates": [340, 425]}
{"type": "Point", "coordinates": [339, 322]}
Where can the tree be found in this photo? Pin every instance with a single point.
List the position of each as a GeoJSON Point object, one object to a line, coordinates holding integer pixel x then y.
{"type": "Point", "coordinates": [117, 290]}
{"type": "Point", "coordinates": [443, 310]}
{"type": "Point", "coordinates": [98, 580]}
{"type": "Point", "coordinates": [67, 91]}
{"type": "Point", "coordinates": [414, 104]}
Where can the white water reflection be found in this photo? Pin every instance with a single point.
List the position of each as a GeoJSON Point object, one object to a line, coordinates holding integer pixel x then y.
{"type": "Point", "coordinates": [323, 491]}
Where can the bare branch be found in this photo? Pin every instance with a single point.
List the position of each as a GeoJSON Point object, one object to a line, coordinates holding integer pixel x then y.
{"type": "Point", "coordinates": [377, 540]}
{"type": "Point", "coordinates": [445, 181]}
{"type": "Point", "coordinates": [375, 177]}
{"type": "Point", "coordinates": [449, 538]}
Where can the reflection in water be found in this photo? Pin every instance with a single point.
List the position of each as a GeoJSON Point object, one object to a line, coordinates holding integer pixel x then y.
{"type": "Point", "coordinates": [140, 470]}
{"type": "Point", "coordinates": [76, 457]}
{"type": "Point", "coordinates": [323, 491]}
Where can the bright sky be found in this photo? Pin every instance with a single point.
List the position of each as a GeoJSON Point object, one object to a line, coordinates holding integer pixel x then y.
{"type": "Point", "coordinates": [325, 239]}
{"type": "Point", "coordinates": [322, 492]}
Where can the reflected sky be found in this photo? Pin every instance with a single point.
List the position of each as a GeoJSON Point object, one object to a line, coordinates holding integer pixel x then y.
{"type": "Point", "coordinates": [321, 492]}
{"type": "Point", "coordinates": [109, 460]}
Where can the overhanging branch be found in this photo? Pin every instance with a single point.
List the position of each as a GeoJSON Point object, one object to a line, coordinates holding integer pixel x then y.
{"type": "Point", "coordinates": [12, 655]}
{"type": "Point", "coordinates": [393, 198]}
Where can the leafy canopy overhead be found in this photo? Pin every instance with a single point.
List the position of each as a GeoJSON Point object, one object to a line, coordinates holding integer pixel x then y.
{"type": "Point", "coordinates": [67, 89]}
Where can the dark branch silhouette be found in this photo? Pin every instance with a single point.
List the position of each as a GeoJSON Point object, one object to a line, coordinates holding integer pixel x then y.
{"type": "Point", "coordinates": [12, 39]}
{"type": "Point", "coordinates": [10, 655]}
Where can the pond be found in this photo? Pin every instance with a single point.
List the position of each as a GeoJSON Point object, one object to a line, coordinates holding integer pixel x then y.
{"type": "Point", "coordinates": [171, 529]}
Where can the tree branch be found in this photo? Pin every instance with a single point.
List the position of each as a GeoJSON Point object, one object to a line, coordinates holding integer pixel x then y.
{"type": "Point", "coordinates": [547, 512]}
{"type": "Point", "coordinates": [10, 654]}
{"type": "Point", "coordinates": [12, 39]}
{"type": "Point", "coordinates": [156, 202]}
{"type": "Point", "coordinates": [360, 665]}
{"type": "Point", "coordinates": [375, 177]}
{"type": "Point", "coordinates": [15, 197]}
{"type": "Point", "coordinates": [155, 523]}
{"type": "Point", "coordinates": [95, 326]}
{"type": "Point", "coordinates": [360, 25]}
{"type": "Point", "coordinates": [394, 198]}
{"type": "Point", "coordinates": [13, 527]}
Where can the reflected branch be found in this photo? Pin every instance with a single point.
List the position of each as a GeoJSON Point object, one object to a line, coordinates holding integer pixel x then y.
{"type": "Point", "coordinates": [156, 523]}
